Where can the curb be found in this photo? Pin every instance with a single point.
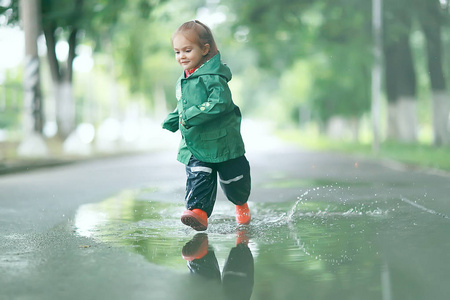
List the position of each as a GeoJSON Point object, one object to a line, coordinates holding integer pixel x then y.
{"type": "Point", "coordinates": [28, 165]}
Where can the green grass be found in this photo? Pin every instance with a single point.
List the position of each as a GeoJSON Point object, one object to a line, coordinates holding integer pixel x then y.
{"type": "Point", "coordinates": [420, 155]}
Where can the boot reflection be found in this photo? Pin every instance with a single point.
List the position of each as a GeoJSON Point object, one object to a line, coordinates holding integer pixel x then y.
{"type": "Point", "coordinates": [238, 272]}
{"type": "Point", "coordinates": [201, 259]}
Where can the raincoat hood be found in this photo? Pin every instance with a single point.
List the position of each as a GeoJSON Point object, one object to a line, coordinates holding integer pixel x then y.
{"type": "Point", "coordinates": [214, 66]}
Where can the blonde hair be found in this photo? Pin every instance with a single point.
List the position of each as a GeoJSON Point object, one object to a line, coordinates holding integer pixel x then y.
{"type": "Point", "coordinates": [202, 36]}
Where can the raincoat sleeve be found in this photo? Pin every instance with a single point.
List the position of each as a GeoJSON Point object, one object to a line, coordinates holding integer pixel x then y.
{"type": "Point", "coordinates": [172, 122]}
{"type": "Point", "coordinates": [218, 102]}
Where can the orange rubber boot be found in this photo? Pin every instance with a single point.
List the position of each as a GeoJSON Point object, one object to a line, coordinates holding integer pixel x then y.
{"type": "Point", "coordinates": [243, 214]}
{"type": "Point", "coordinates": [196, 218]}
{"type": "Point", "coordinates": [196, 248]}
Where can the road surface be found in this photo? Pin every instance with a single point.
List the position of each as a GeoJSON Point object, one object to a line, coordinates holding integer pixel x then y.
{"type": "Point", "coordinates": [325, 226]}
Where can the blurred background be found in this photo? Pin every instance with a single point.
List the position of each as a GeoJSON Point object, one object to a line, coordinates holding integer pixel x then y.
{"type": "Point", "coordinates": [81, 78]}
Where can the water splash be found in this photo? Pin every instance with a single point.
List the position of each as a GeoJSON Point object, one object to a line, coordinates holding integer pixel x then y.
{"type": "Point", "coordinates": [423, 208]}
{"type": "Point", "coordinates": [326, 204]}
{"type": "Point", "coordinates": [292, 211]}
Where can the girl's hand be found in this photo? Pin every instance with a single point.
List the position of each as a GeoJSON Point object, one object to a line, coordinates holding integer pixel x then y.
{"type": "Point", "coordinates": [182, 122]}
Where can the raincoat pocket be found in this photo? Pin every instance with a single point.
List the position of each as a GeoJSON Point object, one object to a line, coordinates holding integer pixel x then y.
{"type": "Point", "coordinates": [214, 144]}
{"type": "Point", "coordinates": [213, 135]}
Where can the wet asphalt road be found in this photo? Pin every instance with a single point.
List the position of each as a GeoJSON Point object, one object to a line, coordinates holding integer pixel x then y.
{"type": "Point", "coordinates": [401, 213]}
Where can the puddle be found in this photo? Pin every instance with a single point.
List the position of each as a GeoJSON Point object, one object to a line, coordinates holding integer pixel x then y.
{"type": "Point", "coordinates": [317, 247]}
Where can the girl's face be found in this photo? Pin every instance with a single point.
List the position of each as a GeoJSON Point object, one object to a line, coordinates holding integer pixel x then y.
{"type": "Point", "coordinates": [187, 53]}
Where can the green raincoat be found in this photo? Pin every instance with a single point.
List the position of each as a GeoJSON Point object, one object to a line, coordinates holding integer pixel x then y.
{"type": "Point", "coordinates": [208, 119]}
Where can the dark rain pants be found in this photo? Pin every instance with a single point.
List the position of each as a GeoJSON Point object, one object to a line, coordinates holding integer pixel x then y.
{"type": "Point", "coordinates": [201, 185]}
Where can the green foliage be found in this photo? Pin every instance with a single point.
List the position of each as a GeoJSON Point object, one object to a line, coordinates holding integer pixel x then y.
{"type": "Point", "coordinates": [63, 13]}
{"type": "Point", "coordinates": [285, 55]}
{"type": "Point", "coordinates": [139, 41]}
{"type": "Point", "coordinates": [11, 101]}
{"type": "Point", "coordinates": [276, 30]}
{"type": "Point", "coordinates": [332, 41]}
{"type": "Point", "coordinates": [295, 83]}
{"type": "Point", "coordinates": [10, 11]}
{"type": "Point", "coordinates": [341, 87]}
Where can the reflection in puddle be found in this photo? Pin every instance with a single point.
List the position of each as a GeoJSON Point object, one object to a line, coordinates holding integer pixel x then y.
{"type": "Point", "coordinates": [323, 245]}
{"type": "Point", "coordinates": [306, 241]}
{"type": "Point", "coordinates": [237, 277]}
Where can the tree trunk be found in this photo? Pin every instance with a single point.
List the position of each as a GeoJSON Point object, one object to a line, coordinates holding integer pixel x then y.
{"type": "Point", "coordinates": [376, 72]}
{"type": "Point", "coordinates": [33, 144]}
{"type": "Point", "coordinates": [33, 108]}
{"type": "Point", "coordinates": [390, 69]}
{"type": "Point", "coordinates": [431, 20]}
{"type": "Point", "coordinates": [400, 79]}
{"type": "Point", "coordinates": [65, 107]}
{"type": "Point", "coordinates": [441, 117]}
{"type": "Point", "coordinates": [406, 119]}
{"type": "Point", "coordinates": [354, 128]}
{"type": "Point", "coordinates": [62, 81]}
{"type": "Point", "coordinates": [406, 97]}
{"type": "Point", "coordinates": [392, 128]}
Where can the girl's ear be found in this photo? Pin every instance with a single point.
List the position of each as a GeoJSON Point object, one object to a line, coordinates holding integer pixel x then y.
{"type": "Point", "coordinates": [205, 49]}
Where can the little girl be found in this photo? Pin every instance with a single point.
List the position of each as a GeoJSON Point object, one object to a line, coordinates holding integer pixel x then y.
{"type": "Point", "coordinates": [210, 124]}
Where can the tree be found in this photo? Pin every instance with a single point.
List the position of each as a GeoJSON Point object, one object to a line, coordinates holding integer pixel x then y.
{"type": "Point", "coordinates": [33, 143]}
{"type": "Point", "coordinates": [432, 18]}
{"type": "Point", "coordinates": [337, 31]}
{"type": "Point", "coordinates": [400, 78]}
{"type": "Point", "coordinates": [69, 20]}
{"type": "Point", "coordinates": [343, 84]}
{"type": "Point", "coordinates": [30, 21]}
{"type": "Point", "coordinates": [377, 31]}
{"type": "Point", "coordinates": [333, 37]}
{"type": "Point", "coordinates": [59, 19]}
{"type": "Point", "coordinates": [33, 114]}
{"type": "Point", "coordinates": [274, 28]}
